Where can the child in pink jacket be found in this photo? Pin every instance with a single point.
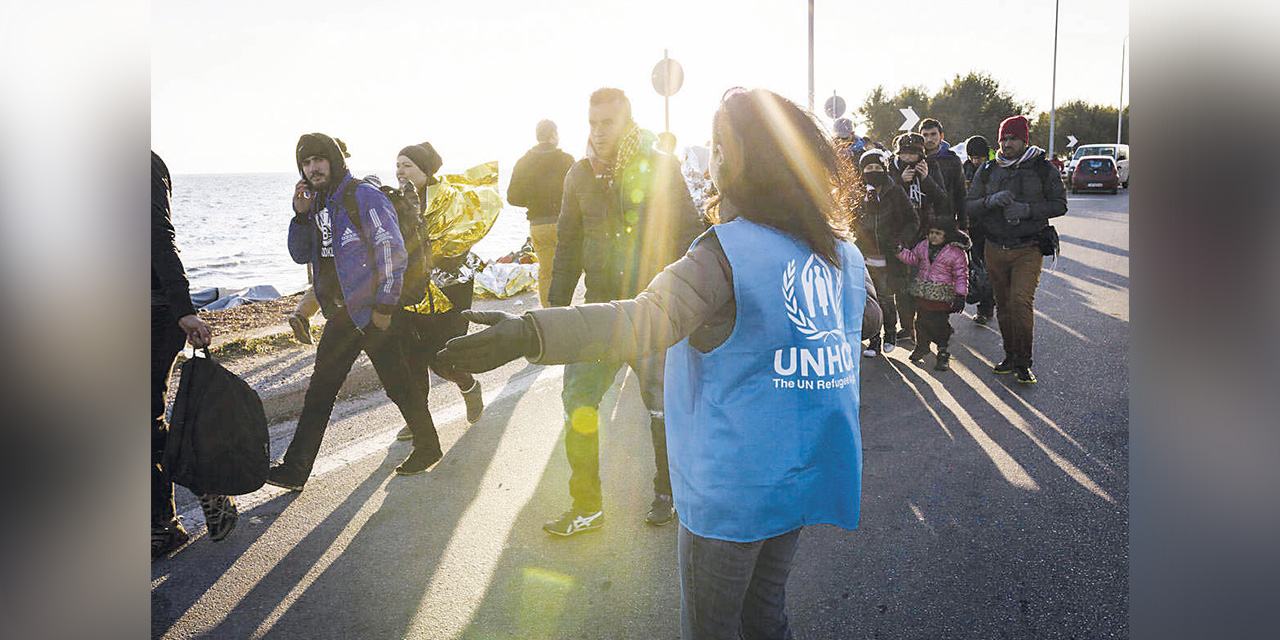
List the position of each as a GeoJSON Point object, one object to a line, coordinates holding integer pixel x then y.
{"type": "Point", "coordinates": [940, 286]}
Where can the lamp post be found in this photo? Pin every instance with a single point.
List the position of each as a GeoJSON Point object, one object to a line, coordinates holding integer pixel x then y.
{"type": "Point", "coordinates": [1120, 106]}
{"type": "Point", "coordinates": [810, 56]}
{"type": "Point", "coordinates": [1053, 91]}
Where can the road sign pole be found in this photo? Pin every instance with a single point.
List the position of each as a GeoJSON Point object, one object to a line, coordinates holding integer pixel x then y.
{"type": "Point", "coordinates": [666, 97]}
{"type": "Point", "coordinates": [1120, 106]}
{"type": "Point", "coordinates": [810, 56]}
{"type": "Point", "coordinates": [1053, 91]}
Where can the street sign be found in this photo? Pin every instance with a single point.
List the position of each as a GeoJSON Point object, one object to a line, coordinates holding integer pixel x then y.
{"type": "Point", "coordinates": [835, 106]}
{"type": "Point", "coordinates": [844, 128]}
{"type": "Point", "coordinates": [668, 77]}
{"type": "Point", "coordinates": [1071, 141]}
{"type": "Point", "coordinates": [912, 119]}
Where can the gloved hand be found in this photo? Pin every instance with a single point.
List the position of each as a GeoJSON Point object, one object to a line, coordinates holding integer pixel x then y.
{"type": "Point", "coordinates": [999, 199]}
{"type": "Point", "coordinates": [957, 304]}
{"type": "Point", "coordinates": [1017, 212]}
{"type": "Point", "coordinates": [508, 337]}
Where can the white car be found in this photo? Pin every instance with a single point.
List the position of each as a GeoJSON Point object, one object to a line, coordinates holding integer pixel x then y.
{"type": "Point", "coordinates": [1117, 152]}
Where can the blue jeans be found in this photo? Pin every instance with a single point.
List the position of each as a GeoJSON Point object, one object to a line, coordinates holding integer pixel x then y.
{"type": "Point", "coordinates": [732, 590]}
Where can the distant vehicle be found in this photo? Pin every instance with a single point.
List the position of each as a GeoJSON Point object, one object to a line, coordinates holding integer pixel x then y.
{"type": "Point", "coordinates": [1095, 173]}
{"type": "Point", "coordinates": [1117, 152]}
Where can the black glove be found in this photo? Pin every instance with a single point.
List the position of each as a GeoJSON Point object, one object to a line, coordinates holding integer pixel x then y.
{"type": "Point", "coordinates": [508, 337]}
{"type": "Point", "coordinates": [957, 304]}
{"type": "Point", "coordinates": [1016, 212]}
{"type": "Point", "coordinates": [999, 199]}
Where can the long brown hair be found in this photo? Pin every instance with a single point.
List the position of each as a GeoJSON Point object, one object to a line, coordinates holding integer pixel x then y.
{"type": "Point", "coordinates": [791, 178]}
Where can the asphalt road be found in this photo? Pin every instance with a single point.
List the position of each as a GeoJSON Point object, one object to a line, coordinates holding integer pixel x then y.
{"type": "Point", "coordinates": [990, 510]}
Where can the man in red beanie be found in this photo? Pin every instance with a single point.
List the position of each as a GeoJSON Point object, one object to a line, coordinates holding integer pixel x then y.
{"type": "Point", "coordinates": [1012, 198]}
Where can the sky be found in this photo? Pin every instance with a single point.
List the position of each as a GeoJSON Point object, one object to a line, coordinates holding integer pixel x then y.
{"type": "Point", "coordinates": [233, 84]}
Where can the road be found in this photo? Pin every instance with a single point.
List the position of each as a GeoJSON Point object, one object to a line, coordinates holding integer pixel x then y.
{"type": "Point", "coordinates": [990, 510]}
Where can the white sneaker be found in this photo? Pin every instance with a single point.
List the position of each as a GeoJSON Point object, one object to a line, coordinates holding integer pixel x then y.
{"type": "Point", "coordinates": [869, 353]}
{"type": "Point", "coordinates": [889, 347]}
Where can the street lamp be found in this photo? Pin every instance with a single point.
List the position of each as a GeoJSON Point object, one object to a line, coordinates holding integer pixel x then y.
{"type": "Point", "coordinates": [1053, 92]}
{"type": "Point", "coordinates": [810, 56]}
{"type": "Point", "coordinates": [1120, 106]}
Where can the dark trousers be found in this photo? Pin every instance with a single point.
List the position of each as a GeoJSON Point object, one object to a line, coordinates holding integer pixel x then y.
{"type": "Point", "coordinates": [891, 283]}
{"type": "Point", "coordinates": [1015, 275]}
{"type": "Point", "coordinates": [584, 385]}
{"type": "Point", "coordinates": [340, 345]}
{"type": "Point", "coordinates": [732, 590]}
{"type": "Point", "coordinates": [426, 335]}
{"type": "Point", "coordinates": [933, 326]}
{"type": "Point", "coordinates": [166, 341]}
{"type": "Point", "coordinates": [977, 255]}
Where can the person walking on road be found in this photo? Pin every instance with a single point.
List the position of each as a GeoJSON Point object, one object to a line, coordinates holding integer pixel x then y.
{"type": "Point", "coordinates": [173, 320]}
{"type": "Point", "coordinates": [762, 414]}
{"type": "Point", "coordinates": [358, 258]}
{"type": "Point", "coordinates": [883, 220]}
{"type": "Point", "coordinates": [626, 215]}
{"type": "Point", "coordinates": [940, 287]}
{"type": "Point", "coordinates": [1013, 197]}
{"type": "Point", "coordinates": [427, 329]}
{"type": "Point", "coordinates": [918, 175]}
{"type": "Point", "coordinates": [979, 152]}
{"type": "Point", "coordinates": [537, 183]}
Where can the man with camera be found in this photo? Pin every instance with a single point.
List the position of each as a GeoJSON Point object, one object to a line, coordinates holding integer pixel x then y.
{"type": "Point", "coordinates": [1013, 197]}
{"type": "Point", "coordinates": [358, 259]}
{"type": "Point", "coordinates": [920, 177]}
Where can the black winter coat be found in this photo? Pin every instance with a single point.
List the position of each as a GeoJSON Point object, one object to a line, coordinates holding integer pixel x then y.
{"type": "Point", "coordinates": [537, 182]}
{"type": "Point", "coordinates": [1034, 182]}
{"type": "Point", "coordinates": [168, 279]}
{"type": "Point", "coordinates": [935, 202]}
{"type": "Point", "coordinates": [885, 223]}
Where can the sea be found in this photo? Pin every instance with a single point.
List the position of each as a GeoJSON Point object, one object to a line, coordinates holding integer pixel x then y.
{"type": "Point", "coordinates": [232, 229]}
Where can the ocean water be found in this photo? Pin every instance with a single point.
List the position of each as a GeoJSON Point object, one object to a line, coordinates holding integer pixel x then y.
{"type": "Point", "coordinates": [232, 229]}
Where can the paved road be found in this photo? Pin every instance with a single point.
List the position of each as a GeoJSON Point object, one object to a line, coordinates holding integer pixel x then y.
{"type": "Point", "coordinates": [990, 510]}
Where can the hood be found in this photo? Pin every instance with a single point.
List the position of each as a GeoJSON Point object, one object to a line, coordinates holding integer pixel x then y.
{"type": "Point", "coordinates": [960, 240]}
{"type": "Point", "coordinates": [944, 151]}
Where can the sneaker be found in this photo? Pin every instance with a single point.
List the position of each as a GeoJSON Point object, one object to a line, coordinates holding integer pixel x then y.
{"type": "Point", "coordinates": [574, 521]}
{"type": "Point", "coordinates": [220, 515]}
{"type": "Point", "coordinates": [301, 328]}
{"type": "Point", "coordinates": [167, 538]}
{"type": "Point", "coordinates": [285, 477]}
{"type": "Point", "coordinates": [419, 461]}
{"type": "Point", "coordinates": [1005, 366]}
{"type": "Point", "coordinates": [1025, 376]}
{"type": "Point", "coordinates": [873, 349]}
{"type": "Point", "coordinates": [475, 402]}
{"type": "Point", "coordinates": [982, 318]}
{"type": "Point", "coordinates": [907, 335]}
{"type": "Point", "coordinates": [918, 354]}
{"type": "Point", "coordinates": [405, 434]}
{"type": "Point", "coordinates": [944, 361]}
{"type": "Point", "coordinates": [662, 511]}
{"type": "Point", "coordinates": [889, 342]}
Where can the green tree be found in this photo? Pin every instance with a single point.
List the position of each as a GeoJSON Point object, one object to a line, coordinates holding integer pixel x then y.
{"type": "Point", "coordinates": [1089, 123]}
{"type": "Point", "coordinates": [973, 104]}
{"type": "Point", "coordinates": [881, 115]}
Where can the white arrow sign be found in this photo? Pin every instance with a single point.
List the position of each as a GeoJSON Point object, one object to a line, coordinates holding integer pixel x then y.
{"type": "Point", "coordinates": [912, 119]}
{"type": "Point", "coordinates": [1071, 141]}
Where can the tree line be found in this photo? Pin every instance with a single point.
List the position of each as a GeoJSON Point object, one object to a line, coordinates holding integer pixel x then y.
{"type": "Point", "coordinates": [974, 104]}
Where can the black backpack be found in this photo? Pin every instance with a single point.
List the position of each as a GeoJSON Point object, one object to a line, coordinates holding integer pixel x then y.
{"type": "Point", "coordinates": [412, 230]}
{"type": "Point", "coordinates": [218, 440]}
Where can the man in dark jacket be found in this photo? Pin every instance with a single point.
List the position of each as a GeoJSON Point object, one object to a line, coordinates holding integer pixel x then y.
{"type": "Point", "coordinates": [950, 172]}
{"type": "Point", "coordinates": [625, 216]}
{"type": "Point", "coordinates": [1013, 197]}
{"type": "Point", "coordinates": [358, 261]}
{"type": "Point", "coordinates": [173, 320]}
{"type": "Point", "coordinates": [537, 183]}
{"type": "Point", "coordinates": [918, 175]}
{"type": "Point", "coordinates": [979, 151]}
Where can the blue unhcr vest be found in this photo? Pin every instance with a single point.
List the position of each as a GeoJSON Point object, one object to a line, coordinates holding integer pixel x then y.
{"type": "Point", "coordinates": [762, 431]}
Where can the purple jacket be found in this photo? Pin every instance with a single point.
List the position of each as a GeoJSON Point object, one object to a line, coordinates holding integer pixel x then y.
{"type": "Point", "coordinates": [951, 267]}
{"type": "Point", "coordinates": [370, 260]}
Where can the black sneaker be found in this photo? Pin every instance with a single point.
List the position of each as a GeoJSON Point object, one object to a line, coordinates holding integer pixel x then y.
{"type": "Point", "coordinates": [285, 477]}
{"type": "Point", "coordinates": [475, 402]}
{"type": "Point", "coordinates": [1005, 366]}
{"type": "Point", "coordinates": [419, 461]}
{"type": "Point", "coordinates": [167, 538]}
{"type": "Point", "coordinates": [662, 512]}
{"type": "Point", "coordinates": [405, 434]}
{"type": "Point", "coordinates": [906, 335]}
{"type": "Point", "coordinates": [918, 354]}
{"type": "Point", "coordinates": [574, 521]}
{"type": "Point", "coordinates": [301, 328]}
{"type": "Point", "coordinates": [982, 318]}
{"type": "Point", "coordinates": [944, 361]}
{"type": "Point", "coordinates": [220, 515]}
{"type": "Point", "coordinates": [873, 348]}
{"type": "Point", "coordinates": [1024, 375]}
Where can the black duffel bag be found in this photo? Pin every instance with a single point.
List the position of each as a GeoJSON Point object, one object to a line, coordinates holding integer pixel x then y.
{"type": "Point", "coordinates": [979, 283]}
{"type": "Point", "coordinates": [218, 442]}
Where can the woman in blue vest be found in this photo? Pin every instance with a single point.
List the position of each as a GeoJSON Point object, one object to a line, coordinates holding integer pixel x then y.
{"type": "Point", "coordinates": [763, 318]}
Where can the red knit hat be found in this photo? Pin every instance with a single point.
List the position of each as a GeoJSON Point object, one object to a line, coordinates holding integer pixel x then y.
{"type": "Point", "coordinates": [1016, 126]}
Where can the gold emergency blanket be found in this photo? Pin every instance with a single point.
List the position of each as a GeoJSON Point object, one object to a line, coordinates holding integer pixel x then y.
{"type": "Point", "coordinates": [461, 210]}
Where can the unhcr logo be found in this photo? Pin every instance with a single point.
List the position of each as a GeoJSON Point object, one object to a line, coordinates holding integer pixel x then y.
{"type": "Point", "coordinates": [817, 313]}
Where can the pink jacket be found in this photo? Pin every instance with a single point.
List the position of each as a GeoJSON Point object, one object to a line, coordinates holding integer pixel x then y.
{"type": "Point", "coordinates": [951, 267]}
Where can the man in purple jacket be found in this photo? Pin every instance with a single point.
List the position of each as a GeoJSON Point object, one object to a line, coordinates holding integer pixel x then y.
{"type": "Point", "coordinates": [358, 261]}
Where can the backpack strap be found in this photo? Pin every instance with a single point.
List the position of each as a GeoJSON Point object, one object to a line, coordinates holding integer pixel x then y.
{"type": "Point", "coordinates": [349, 201]}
